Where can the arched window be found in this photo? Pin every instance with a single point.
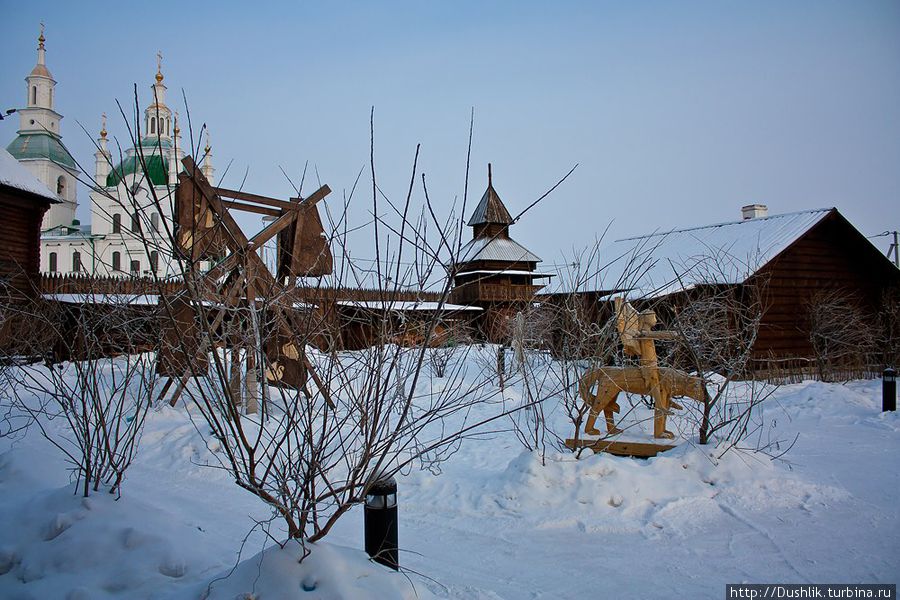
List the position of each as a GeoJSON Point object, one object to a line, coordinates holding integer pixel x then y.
{"type": "Point", "coordinates": [117, 261]}
{"type": "Point", "coordinates": [154, 221]}
{"type": "Point", "coordinates": [154, 261]}
{"type": "Point", "coordinates": [117, 223]}
{"type": "Point", "coordinates": [136, 223]}
{"type": "Point", "coordinates": [167, 126]}
{"type": "Point", "coordinates": [33, 95]}
{"type": "Point", "coordinates": [76, 262]}
{"type": "Point", "coordinates": [51, 97]}
{"type": "Point", "coordinates": [152, 124]}
{"type": "Point", "coordinates": [135, 267]}
{"type": "Point", "coordinates": [52, 258]}
{"type": "Point", "coordinates": [61, 186]}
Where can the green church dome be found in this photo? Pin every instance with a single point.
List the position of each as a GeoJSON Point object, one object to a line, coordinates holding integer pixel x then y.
{"type": "Point", "coordinates": [157, 170]}
{"type": "Point", "coordinates": [41, 145]}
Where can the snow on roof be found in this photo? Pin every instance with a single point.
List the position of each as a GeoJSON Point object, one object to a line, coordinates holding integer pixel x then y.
{"type": "Point", "coordinates": [505, 272]}
{"type": "Point", "coordinates": [14, 175]}
{"type": "Point", "coordinates": [726, 253]}
{"type": "Point", "coordinates": [407, 306]}
{"type": "Point", "coordinates": [498, 248]}
{"type": "Point", "coordinates": [117, 299]}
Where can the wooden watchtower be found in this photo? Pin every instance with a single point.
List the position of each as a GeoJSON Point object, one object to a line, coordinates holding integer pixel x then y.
{"type": "Point", "coordinates": [494, 271]}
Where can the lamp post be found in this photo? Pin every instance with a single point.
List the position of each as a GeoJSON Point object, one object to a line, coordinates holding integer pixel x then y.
{"type": "Point", "coordinates": [381, 522]}
{"type": "Point", "coordinates": [889, 390]}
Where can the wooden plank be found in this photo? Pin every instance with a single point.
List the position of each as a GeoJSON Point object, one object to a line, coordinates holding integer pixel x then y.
{"type": "Point", "coordinates": [260, 210]}
{"type": "Point", "coordinates": [248, 197]}
{"type": "Point", "coordinates": [297, 244]}
{"type": "Point", "coordinates": [635, 449]}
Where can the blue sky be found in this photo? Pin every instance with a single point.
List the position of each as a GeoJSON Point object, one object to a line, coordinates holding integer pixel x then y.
{"type": "Point", "coordinates": [677, 113]}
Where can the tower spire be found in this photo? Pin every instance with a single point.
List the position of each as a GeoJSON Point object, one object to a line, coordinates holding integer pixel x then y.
{"type": "Point", "coordinates": [102, 164]}
{"type": "Point", "coordinates": [208, 168]}
{"type": "Point", "coordinates": [40, 69]}
{"type": "Point", "coordinates": [159, 75]}
{"type": "Point", "coordinates": [157, 116]}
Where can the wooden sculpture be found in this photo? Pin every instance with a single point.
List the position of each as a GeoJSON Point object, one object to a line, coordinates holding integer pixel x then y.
{"type": "Point", "coordinates": [662, 384]}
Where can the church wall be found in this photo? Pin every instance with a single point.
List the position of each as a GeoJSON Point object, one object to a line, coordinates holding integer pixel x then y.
{"type": "Point", "coordinates": [49, 173]}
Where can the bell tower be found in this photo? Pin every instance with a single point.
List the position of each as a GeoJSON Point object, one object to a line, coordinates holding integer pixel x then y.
{"type": "Point", "coordinates": [39, 146]}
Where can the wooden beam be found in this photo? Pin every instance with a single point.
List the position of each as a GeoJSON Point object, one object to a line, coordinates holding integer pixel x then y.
{"type": "Point", "coordinates": [635, 449]}
{"type": "Point", "coordinates": [260, 210]}
{"type": "Point", "coordinates": [227, 221]}
{"type": "Point", "coordinates": [248, 197]}
{"type": "Point", "coordinates": [258, 241]}
{"type": "Point", "coordinates": [314, 198]}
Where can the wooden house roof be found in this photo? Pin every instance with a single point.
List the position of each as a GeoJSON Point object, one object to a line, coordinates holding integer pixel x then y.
{"type": "Point", "coordinates": [663, 262]}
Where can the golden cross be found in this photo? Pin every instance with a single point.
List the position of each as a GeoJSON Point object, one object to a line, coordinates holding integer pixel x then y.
{"type": "Point", "coordinates": [159, 61]}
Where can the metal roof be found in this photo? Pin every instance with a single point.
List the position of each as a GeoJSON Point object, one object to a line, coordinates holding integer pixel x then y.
{"type": "Point", "coordinates": [157, 170]}
{"type": "Point", "coordinates": [490, 210]}
{"type": "Point", "coordinates": [726, 253]}
{"type": "Point", "coordinates": [41, 145]}
{"type": "Point", "coordinates": [503, 249]}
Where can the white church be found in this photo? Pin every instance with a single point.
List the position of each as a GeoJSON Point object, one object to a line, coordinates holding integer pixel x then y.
{"type": "Point", "coordinates": [132, 195]}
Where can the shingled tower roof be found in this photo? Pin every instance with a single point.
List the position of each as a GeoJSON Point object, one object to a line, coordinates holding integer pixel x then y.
{"type": "Point", "coordinates": [490, 210]}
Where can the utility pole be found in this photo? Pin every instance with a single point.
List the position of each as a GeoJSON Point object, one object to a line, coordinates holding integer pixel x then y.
{"type": "Point", "coordinates": [895, 248]}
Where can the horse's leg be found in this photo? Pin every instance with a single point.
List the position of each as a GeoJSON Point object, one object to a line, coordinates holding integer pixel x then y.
{"type": "Point", "coordinates": [590, 427]}
{"type": "Point", "coordinates": [589, 400]}
{"type": "Point", "coordinates": [660, 414]}
{"type": "Point", "coordinates": [610, 408]}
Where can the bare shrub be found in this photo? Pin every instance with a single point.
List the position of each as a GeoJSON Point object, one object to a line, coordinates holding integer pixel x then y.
{"type": "Point", "coordinates": [843, 335]}
{"type": "Point", "coordinates": [311, 445]}
{"type": "Point", "coordinates": [89, 397]}
{"type": "Point", "coordinates": [717, 327]}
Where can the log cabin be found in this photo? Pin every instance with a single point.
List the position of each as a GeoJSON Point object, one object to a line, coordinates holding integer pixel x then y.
{"type": "Point", "coordinates": [793, 258]}
{"type": "Point", "coordinates": [23, 202]}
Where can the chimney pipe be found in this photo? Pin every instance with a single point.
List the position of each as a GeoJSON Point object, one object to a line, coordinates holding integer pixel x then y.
{"type": "Point", "coordinates": [754, 211]}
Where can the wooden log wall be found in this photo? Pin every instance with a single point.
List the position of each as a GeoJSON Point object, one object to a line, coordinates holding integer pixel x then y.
{"type": "Point", "coordinates": [833, 255]}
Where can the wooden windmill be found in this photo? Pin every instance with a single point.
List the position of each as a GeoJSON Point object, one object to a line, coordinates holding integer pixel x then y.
{"type": "Point", "coordinates": [206, 230]}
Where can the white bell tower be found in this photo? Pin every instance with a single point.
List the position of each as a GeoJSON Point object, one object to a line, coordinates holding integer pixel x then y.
{"type": "Point", "coordinates": [39, 146]}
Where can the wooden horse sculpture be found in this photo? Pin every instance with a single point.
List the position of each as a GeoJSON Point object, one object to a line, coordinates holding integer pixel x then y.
{"type": "Point", "coordinates": [662, 384]}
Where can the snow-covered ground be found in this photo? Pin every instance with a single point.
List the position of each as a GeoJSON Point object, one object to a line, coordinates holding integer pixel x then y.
{"type": "Point", "coordinates": [495, 523]}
